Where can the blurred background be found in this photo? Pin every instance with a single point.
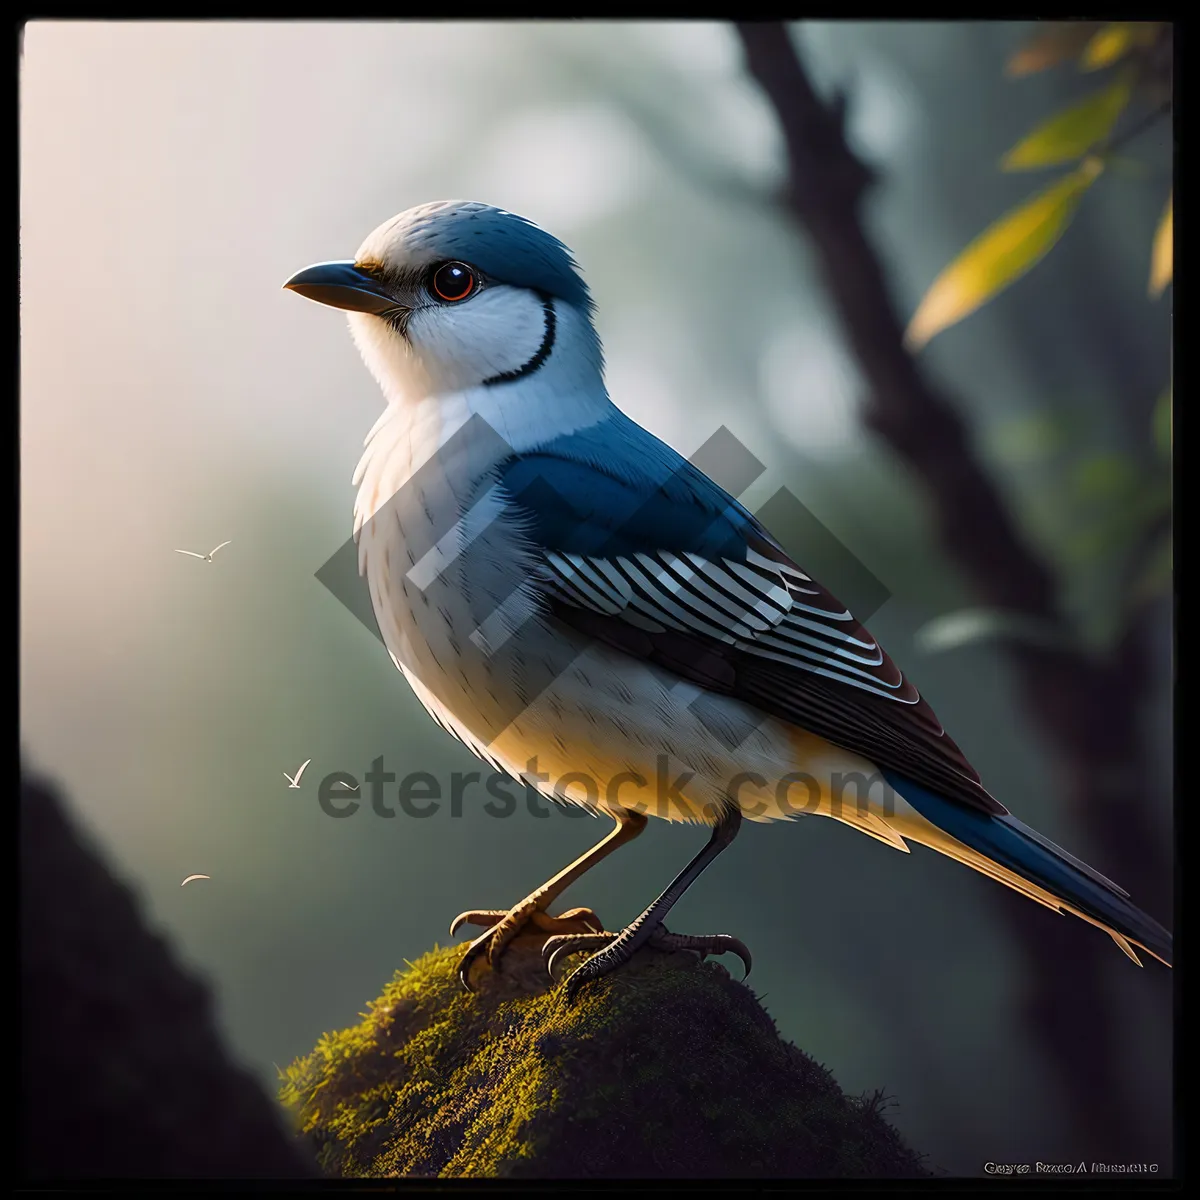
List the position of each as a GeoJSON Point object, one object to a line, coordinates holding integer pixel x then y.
{"type": "Point", "coordinates": [173, 396]}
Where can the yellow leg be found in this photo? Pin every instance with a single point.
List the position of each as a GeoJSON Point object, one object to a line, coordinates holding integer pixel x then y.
{"type": "Point", "coordinates": [532, 910]}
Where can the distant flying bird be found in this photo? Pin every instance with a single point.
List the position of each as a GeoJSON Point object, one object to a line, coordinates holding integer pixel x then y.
{"type": "Point", "coordinates": [347, 787]}
{"type": "Point", "coordinates": [204, 557]}
{"type": "Point", "coordinates": [549, 572]}
{"type": "Point", "coordinates": [295, 783]}
{"type": "Point", "coordinates": [191, 877]}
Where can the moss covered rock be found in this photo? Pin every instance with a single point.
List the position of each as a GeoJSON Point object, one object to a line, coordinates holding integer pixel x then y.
{"type": "Point", "coordinates": [667, 1069]}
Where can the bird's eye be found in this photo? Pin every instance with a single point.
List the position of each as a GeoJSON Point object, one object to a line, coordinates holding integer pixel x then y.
{"type": "Point", "coordinates": [453, 282]}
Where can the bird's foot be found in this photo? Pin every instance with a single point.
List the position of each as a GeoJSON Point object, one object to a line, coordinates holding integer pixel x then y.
{"type": "Point", "coordinates": [614, 950]}
{"type": "Point", "coordinates": [501, 927]}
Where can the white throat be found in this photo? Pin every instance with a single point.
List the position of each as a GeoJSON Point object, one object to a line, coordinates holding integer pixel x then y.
{"type": "Point", "coordinates": [427, 405]}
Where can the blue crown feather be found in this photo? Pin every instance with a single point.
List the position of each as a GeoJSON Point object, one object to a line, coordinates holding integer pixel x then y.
{"type": "Point", "coordinates": [506, 247]}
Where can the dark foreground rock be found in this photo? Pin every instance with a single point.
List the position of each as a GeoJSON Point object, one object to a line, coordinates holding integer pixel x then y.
{"type": "Point", "coordinates": [123, 1073]}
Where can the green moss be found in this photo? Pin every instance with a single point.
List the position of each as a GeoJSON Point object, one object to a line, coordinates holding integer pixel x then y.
{"type": "Point", "coordinates": [666, 1069]}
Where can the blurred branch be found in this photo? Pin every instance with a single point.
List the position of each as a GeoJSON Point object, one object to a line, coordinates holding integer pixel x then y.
{"type": "Point", "coordinates": [1088, 709]}
{"type": "Point", "coordinates": [826, 184]}
{"type": "Point", "coordinates": [1146, 121]}
{"type": "Point", "coordinates": [714, 180]}
{"type": "Point", "coordinates": [658, 126]}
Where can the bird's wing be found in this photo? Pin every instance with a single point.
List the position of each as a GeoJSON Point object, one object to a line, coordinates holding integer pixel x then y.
{"type": "Point", "coordinates": [189, 553]}
{"type": "Point", "coordinates": [303, 768]}
{"type": "Point", "coordinates": [641, 550]}
{"type": "Point", "coordinates": [220, 547]}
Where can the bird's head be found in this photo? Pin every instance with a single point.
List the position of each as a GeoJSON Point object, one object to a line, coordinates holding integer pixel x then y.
{"type": "Point", "coordinates": [452, 296]}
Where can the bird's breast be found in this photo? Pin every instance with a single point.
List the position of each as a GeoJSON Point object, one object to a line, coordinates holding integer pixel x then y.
{"type": "Point", "coordinates": [448, 573]}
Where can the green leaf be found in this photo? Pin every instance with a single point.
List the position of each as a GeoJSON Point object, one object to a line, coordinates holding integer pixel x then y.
{"type": "Point", "coordinates": [1000, 255]}
{"type": "Point", "coordinates": [1126, 511]}
{"type": "Point", "coordinates": [1073, 132]}
{"type": "Point", "coordinates": [1117, 500]}
{"type": "Point", "coordinates": [969, 625]}
{"type": "Point", "coordinates": [1104, 476]}
{"type": "Point", "coordinates": [1030, 438]}
{"type": "Point", "coordinates": [1162, 254]}
{"type": "Point", "coordinates": [1055, 42]}
{"type": "Point", "coordinates": [1163, 424]}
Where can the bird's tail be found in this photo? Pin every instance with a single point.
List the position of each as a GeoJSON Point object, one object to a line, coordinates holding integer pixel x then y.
{"type": "Point", "coordinates": [1008, 850]}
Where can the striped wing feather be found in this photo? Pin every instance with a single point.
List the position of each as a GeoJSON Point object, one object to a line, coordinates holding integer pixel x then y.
{"type": "Point", "coordinates": [765, 632]}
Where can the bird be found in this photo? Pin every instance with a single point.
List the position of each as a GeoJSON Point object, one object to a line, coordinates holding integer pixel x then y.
{"type": "Point", "coordinates": [294, 781]}
{"type": "Point", "coordinates": [589, 612]}
{"type": "Point", "coordinates": [191, 877]}
{"type": "Point", "coordinates": [204, 557]}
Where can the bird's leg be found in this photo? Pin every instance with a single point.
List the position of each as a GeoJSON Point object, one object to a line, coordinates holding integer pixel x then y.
{"type": "Point", "coordinates": [648, 928]}
{"type": "Point", "coordinates": [504, 926]}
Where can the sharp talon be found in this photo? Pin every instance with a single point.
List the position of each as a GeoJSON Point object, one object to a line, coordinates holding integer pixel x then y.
{"type": "Point", "coordinates": [462, 978]}
{"type": "Point", "coordinates": [739, 948]}
{"type": "Point", "coordinates": [589, 969]}
{"type": "Point", "coordinates": [564, 944]}
{"type": "Point", "coordinates": [716, 943]}
{"type": "Point", "coordinates": [726, 943]}
{"type": "Point", "coordinates": [473, 951]}
{"type": "Point", "coordinates": [485, 918]}
{"type": "Point", "coordinates": [549, 946]}
{"type": "Point", "coordinates": [552, 961]}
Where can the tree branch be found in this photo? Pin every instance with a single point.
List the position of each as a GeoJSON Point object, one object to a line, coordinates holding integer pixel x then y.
{"type": "Point", "coordinates": [1144, 122]}
{"type": "Point", "coordinates": [826, 184]}
{"type": "Point", "coordinates": [1088, 710]}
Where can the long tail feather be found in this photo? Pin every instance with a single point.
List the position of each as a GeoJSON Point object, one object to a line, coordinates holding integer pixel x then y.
{"type": "Point", "coordinates": [1008, 850]}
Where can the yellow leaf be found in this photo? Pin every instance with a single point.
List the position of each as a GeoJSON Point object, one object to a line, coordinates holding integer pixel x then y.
{"type": "Point", "coordinates": [1000, 255]}
{"type": "Point", "coordinates": [1162, 255]}
{"type": "Point", "coordinates": [1114, 41]}
{"type": "Point", "coordinates": [1055, 42]}
{"type": "Point", "coordinates": [1072, 133]}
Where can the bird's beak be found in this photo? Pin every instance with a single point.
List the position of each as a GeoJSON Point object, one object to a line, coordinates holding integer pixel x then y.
{"type": "Point", "coordinates": [343, 285]}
